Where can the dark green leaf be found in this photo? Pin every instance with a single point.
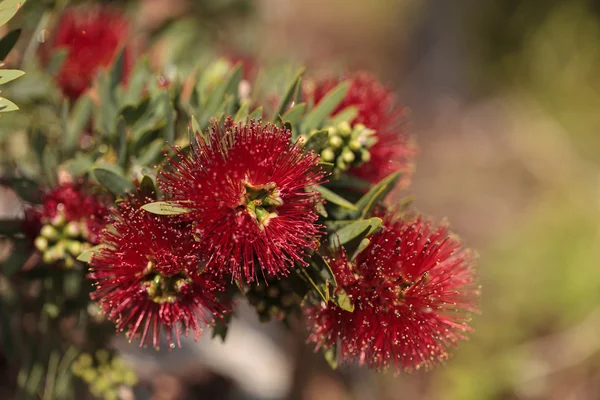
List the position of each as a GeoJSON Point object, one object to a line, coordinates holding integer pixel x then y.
{"type": "Point", "coordinates": [112, 180]}
{"type": "Point", "coordinates": [147, 187]}
{"type": "Point", "coordinates": [321, 111]}
{"type": "Point", "coordinates": [317, 141]}
{"type": "Point", "coordinates": [50, 164]}
{"type": "Point", "coordinates": [27, 190]}
{"type": "Point", "coordinates": [324, 269]}
{"type": "Point", "coordinates": [78, 122]}
{"type": "Point", "coordinates": [8, 42]}
{"type": "Point", "coordinates": [116, 70]}
{"type": "Point", "coordinates": [166, 208]}
{"type": "Point", "coordinates": [149, 155]}
{"type": "Point", "coordinates": [334, 198]}
{"type": "Point", "coordinates": [122, 142]}
{"type": "Point", "coordinates": [347, 114]}
{"type": "Point", "coordinates": [358, 229]}
{"type": "Point", "coordinates": [256, 114]}
{"type": "Point", "coordinates": [289, 93]}
{"type": "Point", "coordinates": [294, 114]}
{"type": "Point", "coordinates": [377, 193]}
{"type": "Point", "coordinates": [171, 116]}
{"type": "Point", "coordinates": [134, 112]}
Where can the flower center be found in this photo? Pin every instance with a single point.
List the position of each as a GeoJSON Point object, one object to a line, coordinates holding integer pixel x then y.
{"type": "Point", "coordinates": [261, 201]}
{"type": "Point", "coordinates": [164, 289]}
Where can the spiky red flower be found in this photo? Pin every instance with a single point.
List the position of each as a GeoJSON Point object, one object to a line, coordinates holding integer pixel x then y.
{"type": "Point", "coordinates": [377, 110]}
{"type": "Point", "coordinates": [91, 35]}
{"type": "Point", "coordinates": [247, 188]}
{"type": "Point", "coordinates": [413, 289]}
{"type": "Point", "coordinates": [149, 277]}
{"type": "Point", "coordinates": [71, 202]}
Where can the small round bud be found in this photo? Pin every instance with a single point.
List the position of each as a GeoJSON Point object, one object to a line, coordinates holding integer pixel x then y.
{"type": "Point", "coordinates": [354, 145]}
{"type": "Point", "coordinates": [48, 256]}
{"type": "Point", "coordinates": [348, 156]}
{"type": "Point", "coordinates": [69, 262]}
{"type": "Point", "coordinates": [328, 154]}
{"type": "Point", "coordinates": [72, 229]}
{"type": "Point", "coordinates": [344, 128]}
{"type": "Point", "coordinates": [59, 219]}
{"type": "Point", "coordinates": [41, 243]}
{"type": "Point", "coordinates": [332, 131]}
{"type": "Point", "coordinates": [335, 141]}
{"type": "Point", "coordinates": [49, 232]}
{"type": "Point", "coordinates": [74, 247]}
{"type": "Point", "coordinates": [365, 156]}
{"type": "Point", "coordinates": [360, 127]}
{"type": "Point", "coordinates": [342, 166]}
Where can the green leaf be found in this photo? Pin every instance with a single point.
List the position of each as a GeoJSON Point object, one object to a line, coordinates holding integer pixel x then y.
{"type": "Point", "coordinates": [86, 256]}
{"type": "Point", "coordinates": [149, 155]}
{"type": "Point", "coordinates": [294, 114]}
{"type": "Point", "coordinates": [217, 98]}
{"type": "Point", "coordinates": [256, 114]}
{"type": "Point", "coordinates": [242, 113]}
{"type": "Point", "coordinates": [50, 164]}
{"type": "Point", "coordinates": [166, 208]}
{"type": "Point", "coordinates": [116, 70]}
{"type": "Point", "coordinates": [147, 187]}
{"type": "Point", "coordinates": [320, 288]}
{"type": "Point", "coordinates": [78, 122]}
{"type": "Point", "coordinates": [358, 229]}
{"type": "Point", "coordinates": [171, 116]}
{"type": "Point", "coordinates": [330, 357]}
{"type": "Point", "coordinates": [317, 141]}
{"type": "Point", "coordinates": [8, 9]}
{"type": "Point", "coordinates": [315, 118]}
{"type": "Point", "coordinates": [324, 269]}
{"type": "Point", "coordinates": [122, 142]}
{"type": "Point", "coordinates": [57, 59]}
{"type": "Point", "coordinates": [27, 190]}
{"type": "Point", "coordinates": [7, 105]}
{"type": "Point", "coordinates": [334, 198]}
{"type": "Point", "coordinates": [80, 165]}
{"type": "Point", "coordinates": [8, 42]}
{"type": "Point", "coordinates": [347, 114]}
{"type": "Point", "coordinates": [342, 300]}
{"type": "Point", "coordinates": [134, 112]}
{"type": "Point", "coordinates": [377, 193]}
{"type": "Point", "coordinates": [289, 93]}
{"type": "Point", "coordinates": [112, 180]}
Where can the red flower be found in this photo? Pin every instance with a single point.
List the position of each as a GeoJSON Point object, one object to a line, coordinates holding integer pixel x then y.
{"type": "Point", "coordinates": [149, 279]}
{"type": "Point", "coordinates": [246, 187]}
{"type": "Point", "coordinates": [71, 203]}
{"type": "Point", "coordinates": [92, 36]}
{"type": "Point", "coordinates": [378, 111]}
{"type": "Point", "coordinates": [413, 289]}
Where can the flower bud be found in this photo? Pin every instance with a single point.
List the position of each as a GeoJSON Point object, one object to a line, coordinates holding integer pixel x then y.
{"type": "Point", "coordinates": [74, 247]}
{"type": "Point", "coordinates": [354, 145]}
{"type": "Point", "coordinates": [49, 232]}
{"type": "Point", "coordinates": [58, 220]}
{"type": "Point", "coordinates": [348, 156]}
{"type": "Point", "coordinates": [327, 154]}
{"type": "Point", "coordinates": [344, 128]}
{"type": "Point", "coordinates": [72, 229]}
{"type": "Point", "coordinates": [41, 243]}
{"type": "Point", "coordinates": [335, 141]}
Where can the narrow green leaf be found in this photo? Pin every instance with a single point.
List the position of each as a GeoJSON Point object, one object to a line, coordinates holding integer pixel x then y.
{"type": "Point", "coordinates": [289, 93]}
{"type": "Point", "coordinates": [347, 114]}
{"type": "Point", "coordinates": [358, 229]}
{"type": "Point", "coordinates": [330, 357]}
{"type": "Point", "coordinates": [113, 181]}
{"type": "Point", "coordinates": [86, 256]}
{"type": "Point", "coordinates": [320, 289]}
{"type": "Point", "coordinates": [342, 300]}
{"type": "Point", "coordinates": [147, 187]}
{"type": "Point", "coordinates": [57, 59]}
{"type": "Point", "coordinates": [78, 122]}
{"type": "Point", "coordinates": [377, 193]}
{"type": "Point", "coordinates": [334, 198]}
{"type": "Point", "coordinates": [133, 112]}
{"type": "Point", "coordinates": [242, 113]}
{"type": "Point", "coordinates": [294, 114]}
{"type": "Point", "coordinates": [50, 164]}
{"type": "Point", "coordinates": [8, 9]}
{"type": "Point", "coordinates": [324, 269]}
{"type": "Point", "coordinates": [317, 141]}
{"type": "Point", "coordinates": [149, 155]}
{"type": "Point", "coordinates": [8, 42]}
{"type": "Point", "coordinates": [315, 118]}
{"type": "Point", "coordinates": [27, 190]}
{"type": "Point", "coordinates": [166, 208]}
{"type": "Point", "coordinates": [122, 142]}
{"type": "Point", "coordinates": [80, 165]}
{"type": "Point", "coordinates": [170, 116]}
{"type": "Point", "coordinates": [7, 105]}
{"type": "Point", "coordinates": [116, 70]}
{"type": "Point", "coordinates": [256, 114]}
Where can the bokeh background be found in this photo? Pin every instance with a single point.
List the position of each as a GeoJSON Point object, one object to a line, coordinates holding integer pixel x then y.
{"type": "Point", "coordinates": [504, 100]}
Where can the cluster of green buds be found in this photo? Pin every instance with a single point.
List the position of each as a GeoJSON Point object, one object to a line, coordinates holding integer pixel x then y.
{"type": "Point", "coordinates": [275, 301]}
{"type": "Point", "coordinates": [164, 289]}
{"type": "Point", "coordinates": [62, 240]}
{"type": "Point", "coordinates": [104, 373]}
{"type": "Point", "coordinates": [348, 146]}
{"type": "Point", "coordinates": [260, 201]}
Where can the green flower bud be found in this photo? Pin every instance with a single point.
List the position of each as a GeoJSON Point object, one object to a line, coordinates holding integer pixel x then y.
{"type": "Point", "coordinates": [348, 156]}
{"type": "Point", "coordinates": [69, 262]}
{"type": "Point", "coordinates": [332, 131]}
{"type": "Point", "coordinates": [360, 127]}
{"type": "Point", "coordinates": [49, 256]}
{"type": "Point", "coordinates": [59, 220]}
{"type": "Point", "coordinates": [328, 154]}
{"type": "Point", "coordinates": [365, 156]}
{"type": "Point", "coordinates": [41, 243]}
{"type": "Point", "coordinates": [342, 166]}
{"type": "Point", "coordinates": [74, 247]}
{"type": "Point", "coordinates": [49, 232]}
{"type": "Point", "coordinates": [72, 229]}
{"type": "Point", "coordinates": [344, 128]}
{"type": "Point", "coordinates": [335, 141]}
{"type": "Point", "coordinates": [354, 145]}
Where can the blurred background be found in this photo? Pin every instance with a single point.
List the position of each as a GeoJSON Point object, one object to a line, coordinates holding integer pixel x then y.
{"type": "Point", "coordinates": [505, 107]}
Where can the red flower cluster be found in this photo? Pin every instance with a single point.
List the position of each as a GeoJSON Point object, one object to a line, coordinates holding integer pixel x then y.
{"type": "Point", "coordinates": [247, 186]}
{"type": "Point", "coordinates": [72, 203]}
{"type": "Point", "coordinates": [149, 277]}
{"type": "Point", "coordinates": [376, 110]}
{"type": "Point", "coordinates": [92, 36]}
{"type": "Point", "coordinates": [413, 289]}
